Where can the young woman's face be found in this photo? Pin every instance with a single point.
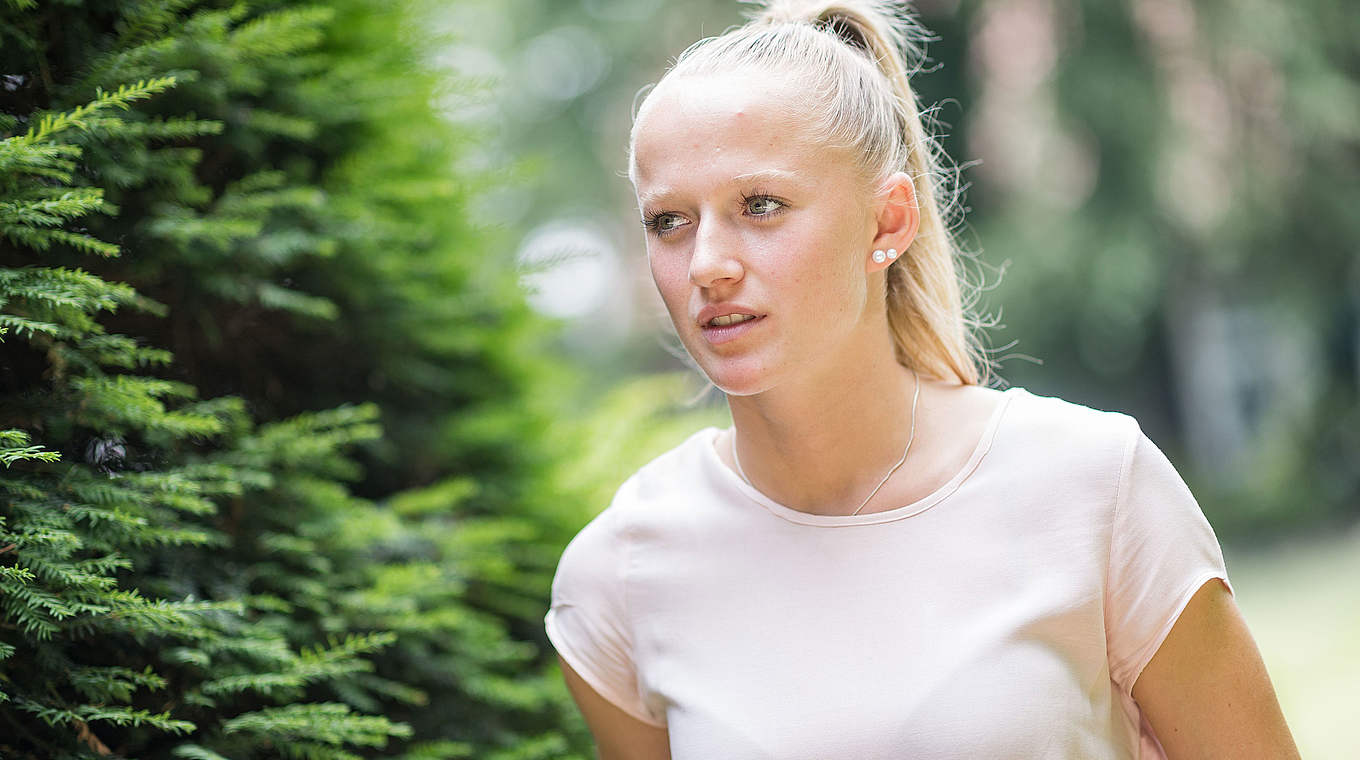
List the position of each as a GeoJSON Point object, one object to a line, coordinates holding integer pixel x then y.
{"type": "Point", "coordinates": [745, 218]}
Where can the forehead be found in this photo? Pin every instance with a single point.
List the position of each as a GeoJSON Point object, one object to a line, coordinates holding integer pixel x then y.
{"type": "Point", "coordinates": [737, 124]}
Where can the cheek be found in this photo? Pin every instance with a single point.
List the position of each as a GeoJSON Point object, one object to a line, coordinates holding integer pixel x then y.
{"type": "Point", "coordinates": [671, 278]}
{"type": "Point", "coordinates": [822, 269]}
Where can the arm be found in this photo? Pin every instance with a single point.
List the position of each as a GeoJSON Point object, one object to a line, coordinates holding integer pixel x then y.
{"type": "Point", "coordinates": [1206, 691]}
{"type": "Point", "coordinates": [618, 735]}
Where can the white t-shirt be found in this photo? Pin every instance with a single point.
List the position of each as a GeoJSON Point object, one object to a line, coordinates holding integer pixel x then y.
{"type": "Point", "coordinates": [1007, 614]}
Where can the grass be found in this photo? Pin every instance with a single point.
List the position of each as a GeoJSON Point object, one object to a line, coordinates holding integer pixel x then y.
{"type": "Point", "coordinates": [1302, 602]}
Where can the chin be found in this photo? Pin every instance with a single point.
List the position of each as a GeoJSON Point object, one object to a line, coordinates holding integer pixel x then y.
{"type": "Point", "coordinates": [730, 390]}
{"type": "Point", "coordinates": [737, 381]}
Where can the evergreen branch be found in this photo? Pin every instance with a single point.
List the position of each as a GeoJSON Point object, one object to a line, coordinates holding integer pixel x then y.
{"type": "Point", "coordinates": [351, 646]}
{"type": "Point", "coordinates": [188, 656]}
{"type": "Point", "coordinates": [36, 612]}
{"type": "Point", "coordinates": [118, 402]}
{"type": "Point", "coordinates": [31, 218]}
{"type": "Point", "coordinates": [42, 240]}
{"type": "Point", "coordinates": [91, 574]}
{"type": "Point", "coordinates": [439, 498]}
{"type": "Point", "coordinates": [271, 652]}
{"type": "Point", "coordinates": [123, 716]}
{"type": "Point", "coordinates": [273, 296]}
{"type": "Point", "coordinates": [195, 752]}
{"type": "Point", "coordinates": [268, 684]}
{"type": "Point", "coordinates": [135, 386]}
{"type": "Point", "coordinates": [339, 660]}
{"type": "Point", "coordinates": [51, 161]}
{"type": "Point", "coordinates": [24, 494]}
{"type": "Point", "coordinates": [314, 437]}
{"type": "Point", "coordinates": [23, 325]}
{"type": "Point", "coordinates": [121, 351]}
{"type": "Point", "coordinates": [44, 210]}
{"type": "Point", "coordinates": [121, 523]}
{"type": "Point", "coordinates": [124, 61]}
{"type": "Point", "coordinates": [70, 292]}
{"type": "Point", "coordinates": [144, 21]}
{"type": "Point", "coordinates": [118, 716]}
{"type": "Point", "coordinates": [15, 447]}
{"type": "Point", "coordinates": [393, 690]}
{"type": "Point", "coordinates": [172, 489]}
{"type": "Point", "coordinates": [185, 227]}
{"type": "Point", "coordinates": [113, 683]}
{"type": "Point", "coordinates": [50, 537]}
{"type": "Point", "coordinates": [280, 33]}
{"type": "Point", "coordinates": [280, 124]}
{"type": "Point", "coordinates": [262, 192]}
{"type": "Point", "coordinates": [107, 129]}
{"type": "Point", "coordinates": [15, 574]}
{"type": "Point", "coordinates": [53, 124]}
{"type": "Point", "coordinates": [92, 491]}
{"type": "Point", "coordinates": [130, 605]}
{"type": "Point", "coordinates": [330, 723]}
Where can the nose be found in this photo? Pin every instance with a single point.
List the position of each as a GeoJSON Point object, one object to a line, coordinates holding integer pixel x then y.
{"type": "Point", "coordinates": [715, 259]}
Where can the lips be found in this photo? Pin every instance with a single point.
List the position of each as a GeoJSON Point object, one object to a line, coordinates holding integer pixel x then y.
{"type": "Point", "coordinates": [724, 324]}
{"type": "Point", "coordinates": [729, 319]}
{"type": "Point", "coordinates": [726, 314]}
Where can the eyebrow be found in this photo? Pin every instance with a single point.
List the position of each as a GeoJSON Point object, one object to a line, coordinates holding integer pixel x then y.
{"type": "Point", "coordinates": [764, 175]}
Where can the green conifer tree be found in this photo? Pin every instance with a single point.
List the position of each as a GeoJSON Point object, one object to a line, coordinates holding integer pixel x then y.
{"type": "Point", "coordinates": [288, 217]}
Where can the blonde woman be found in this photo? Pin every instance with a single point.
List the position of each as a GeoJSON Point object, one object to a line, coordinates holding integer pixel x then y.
{"type": "Point", "coordinates": [882, 557]}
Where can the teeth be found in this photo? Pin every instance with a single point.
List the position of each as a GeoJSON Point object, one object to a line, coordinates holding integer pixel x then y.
{"type": "Point", "coordinates": [731, 319]}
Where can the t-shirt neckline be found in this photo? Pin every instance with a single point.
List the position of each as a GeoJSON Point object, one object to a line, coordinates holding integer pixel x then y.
{"type": "Point", "coordinates": [730, 479]}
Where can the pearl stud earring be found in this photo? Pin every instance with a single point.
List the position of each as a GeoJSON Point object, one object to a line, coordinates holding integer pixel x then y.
{"type": "Point", "coordinates": [892, 253]}
{"type": "Point", "coordinates": [879, 256]}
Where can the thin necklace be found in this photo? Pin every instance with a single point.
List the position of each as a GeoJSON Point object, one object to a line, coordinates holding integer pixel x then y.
{"type": "Point", "coordinates": [911, 437]}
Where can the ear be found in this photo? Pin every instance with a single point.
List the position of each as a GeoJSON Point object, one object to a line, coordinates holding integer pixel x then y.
{"type": "Point", "coordinates": [898, 218]}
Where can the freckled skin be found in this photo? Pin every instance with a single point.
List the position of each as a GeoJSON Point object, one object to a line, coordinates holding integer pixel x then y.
{"type": "Point", "coordinates": [802, 267]}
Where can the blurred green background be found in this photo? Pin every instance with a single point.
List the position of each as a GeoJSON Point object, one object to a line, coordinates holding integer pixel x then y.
{"type": "Point", "coordinates": [323, 336]}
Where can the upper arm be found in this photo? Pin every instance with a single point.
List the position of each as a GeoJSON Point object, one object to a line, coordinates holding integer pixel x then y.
{"type": "Point", "coordinates": [618, 735]}
{"type": "Point", "coordinates": [1206, 692]}
{"type": "Point", "coordinates": [589, 625]}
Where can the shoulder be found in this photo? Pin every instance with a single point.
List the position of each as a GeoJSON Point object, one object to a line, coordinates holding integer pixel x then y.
{"type": "Point", "coordinates": [1067, 446]}
{"type": "Point", "coordinates": [594, 564]}
{"type": "Point", "coordinates": [674, 473]}
{"type": "Point", "coordinates": [1101, 454]}
{"type": "Point", "coordinates": [1055, 426]}
{"type": "Point", "coordinates": [1054, 416]}
{"type": "Point", "coordinates": [666, 477]}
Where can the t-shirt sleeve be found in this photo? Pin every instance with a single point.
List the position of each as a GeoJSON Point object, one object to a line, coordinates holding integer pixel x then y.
{"type": "Point", "coordinates": [587, 622]}
{"type": "Point", "coordinates": [1162, 550]}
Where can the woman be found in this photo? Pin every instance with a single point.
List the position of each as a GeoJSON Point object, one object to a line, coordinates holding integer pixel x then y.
{"type": "Point", "coordinates": [881, 558]}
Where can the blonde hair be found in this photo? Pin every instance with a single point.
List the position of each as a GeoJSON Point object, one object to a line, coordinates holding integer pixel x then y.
{"type": "Point", "coordinates": [852, 57]}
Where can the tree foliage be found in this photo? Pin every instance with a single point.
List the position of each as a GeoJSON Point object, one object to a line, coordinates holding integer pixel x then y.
{"type": "Point", "coordinates": [269, 468]}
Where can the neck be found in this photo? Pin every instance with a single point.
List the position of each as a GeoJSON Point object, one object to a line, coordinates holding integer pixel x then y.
{"type": "Point", "coordinates": [823, 443]}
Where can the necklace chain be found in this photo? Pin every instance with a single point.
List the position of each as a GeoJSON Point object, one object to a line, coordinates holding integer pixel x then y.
{"type": "Point", "coordinates": [911, 437]}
